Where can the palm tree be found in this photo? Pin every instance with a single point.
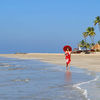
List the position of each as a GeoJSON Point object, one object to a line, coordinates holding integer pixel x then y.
{"type": "Point", "coordinates": [91, 33]}
{"type": "Point", "coordinates": [97, 21]}
{"type": "Point", "coordinates": [88, 45]}
{"type": "Point", "coordinates": [82, 44]}
{"type": "Point", "coordinates": [85, 35]}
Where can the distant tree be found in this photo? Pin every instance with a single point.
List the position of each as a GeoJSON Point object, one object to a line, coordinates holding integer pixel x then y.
{"type": "Point", "coordinates": [82, 44]}
{"type": "Point", "coordinates": [97, 21]}
{"type": "Point", "coordinates": [92, 44]}
{"type": "Point", "coordinates": [91, 33]}
{"type": "Point", "coordinates": [88, 46]}
{"type": "Point", "coordinates": [85, 35]}
{"type": "Point", "coordinates": [99, 42]}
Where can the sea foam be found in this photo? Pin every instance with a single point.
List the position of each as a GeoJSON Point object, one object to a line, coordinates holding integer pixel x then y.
{"type": "Point", "coordinates": [84, 91]}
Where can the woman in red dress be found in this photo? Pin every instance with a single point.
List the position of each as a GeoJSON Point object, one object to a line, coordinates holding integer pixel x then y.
{"type": "Point", "coordinates": [68, 58]}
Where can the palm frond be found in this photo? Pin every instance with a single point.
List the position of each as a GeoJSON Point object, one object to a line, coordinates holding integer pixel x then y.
{"type": "Point", "coordinates": [95, 22]}
{"type": "Point", "coordinates": [85, 34]}
{"type": "Point", "coordinates": [98, 18]}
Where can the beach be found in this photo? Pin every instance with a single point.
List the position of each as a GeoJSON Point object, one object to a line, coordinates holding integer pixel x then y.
{"type": "Point", "coordinates": [43, 76]}
{"type": "Point", "coordinates": [87, 61]}
{"type": "Point", "coordinates": [28, 79]}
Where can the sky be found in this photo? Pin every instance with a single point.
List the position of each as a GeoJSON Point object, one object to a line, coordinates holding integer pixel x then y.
{"type": "Point", "coordinates": [45, 26]}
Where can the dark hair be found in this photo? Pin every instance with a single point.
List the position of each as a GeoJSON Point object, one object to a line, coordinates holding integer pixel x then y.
{"type": "Point", "coordinates": [67, 48]}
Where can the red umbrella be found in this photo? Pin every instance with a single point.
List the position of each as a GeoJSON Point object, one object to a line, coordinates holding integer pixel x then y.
{"type": "Point", "coordinates": [67, 46]}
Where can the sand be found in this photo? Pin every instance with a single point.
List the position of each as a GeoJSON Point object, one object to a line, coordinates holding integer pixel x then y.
{"type": "Point", "coordinates": [88, 61]}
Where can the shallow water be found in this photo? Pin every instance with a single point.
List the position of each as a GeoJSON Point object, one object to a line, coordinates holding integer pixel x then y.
{"type": "Point", "coordinates": [34, 80]}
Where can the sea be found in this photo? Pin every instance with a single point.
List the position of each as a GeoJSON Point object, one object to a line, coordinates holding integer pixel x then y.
{"type": "Point", "coordinates": [23, 79]}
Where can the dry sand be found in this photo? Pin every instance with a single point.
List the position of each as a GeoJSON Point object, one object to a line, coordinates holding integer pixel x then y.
{"type": "Point", "coordinates": [88, 61]}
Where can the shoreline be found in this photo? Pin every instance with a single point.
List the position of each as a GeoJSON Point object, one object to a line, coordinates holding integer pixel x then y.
{"type": "Point", "coordinates": [87, 61]}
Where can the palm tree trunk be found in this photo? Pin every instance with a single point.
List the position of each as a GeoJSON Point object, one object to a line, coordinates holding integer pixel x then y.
{"type": "Point", "coordinates": [93, 39]}
{"type": "Point", "coordinates": [85, 42]}
{"type": "Point", "coordinates": [85, 39]}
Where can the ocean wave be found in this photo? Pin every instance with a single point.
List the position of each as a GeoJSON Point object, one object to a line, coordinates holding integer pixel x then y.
{"type": "Point", "coordinates": [57, 68]}
{"type": "Point", "coordinates": [84, 91]}
{"type": "Point", "coordinates": [21, 80]}
{"type": "Point", "coordinates": [4, 65]}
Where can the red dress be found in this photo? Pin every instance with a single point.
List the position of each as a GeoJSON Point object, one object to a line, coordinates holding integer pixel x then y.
{"type": "Point", "coordinates": [68, 58]}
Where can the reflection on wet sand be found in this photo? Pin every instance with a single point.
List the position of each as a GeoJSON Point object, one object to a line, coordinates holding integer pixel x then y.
{"type": "Point", "coordinates": [34, 80]}
{"type": "Point", "coordinates": [68, 76]}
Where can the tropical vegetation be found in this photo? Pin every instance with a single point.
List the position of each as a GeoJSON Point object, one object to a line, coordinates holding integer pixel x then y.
{"type": "Point", "coordinates": [84, 45]}
{"type": "Point", "coordinates": [85, 35]}
{"type": "Point", "coordinates": [90, 32]}
{"type": "Point", "coordinates": [97, 21]}
{"type": "Point", "coordinates": [99, 42]}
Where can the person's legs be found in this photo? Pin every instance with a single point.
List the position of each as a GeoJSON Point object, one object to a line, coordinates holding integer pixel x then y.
{"type": "Point", "coordinates": [68, 64]}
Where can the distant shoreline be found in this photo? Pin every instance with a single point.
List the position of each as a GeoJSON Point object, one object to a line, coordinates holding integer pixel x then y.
{"type": "Point", "coordinates": [88, 61]}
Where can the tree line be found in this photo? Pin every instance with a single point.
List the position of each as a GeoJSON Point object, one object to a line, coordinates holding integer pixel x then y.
{"type": "Point", "coordinates": [90, 32]}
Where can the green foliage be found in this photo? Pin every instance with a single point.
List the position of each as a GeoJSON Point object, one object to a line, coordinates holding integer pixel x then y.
{"type": "Point", "coordinates": [90, 29]}
{"type": "Point", "coordinates": [99, 42]}
{"type": "Point", "coordinates": [89, 32]}
{"type": "Point", "coordinates": [88, 45]}
{"type": "Point", "coordinates": [85, 35]}
{"type": "Point", "coordinates": [97, 20]}
{"type": "Point", "coordinates": [84, 44]}
{"type": "Point", "coordinates": [92, 44]}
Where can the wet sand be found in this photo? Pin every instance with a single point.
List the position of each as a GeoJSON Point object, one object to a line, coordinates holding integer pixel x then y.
{"type": "Point", "coordinates": [88, 61]}
{"type": "Point", "coordinates": [22, 79]}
